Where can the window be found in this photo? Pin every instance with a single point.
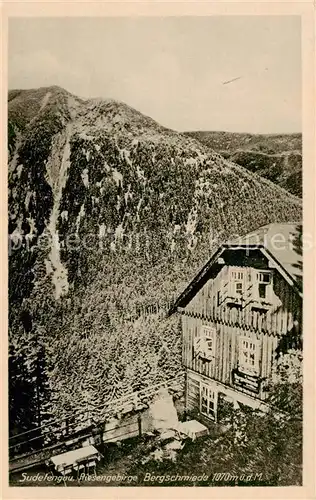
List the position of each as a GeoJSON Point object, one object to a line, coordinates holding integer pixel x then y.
{"type": "Point", "coordinates": [264, 277]}
{"type": "Point", "coordinates": [248, 359]}
{"type": "Point", "coordinates": [236, 285]}
{"type": "Point", "coordinates": [238, 275]}
{"type": "Point", "coordinates": [205, 343]}
{"type": "Point", "coordinates": [218, 298]}
{"type": "Point", "coordinates": [208, 400]}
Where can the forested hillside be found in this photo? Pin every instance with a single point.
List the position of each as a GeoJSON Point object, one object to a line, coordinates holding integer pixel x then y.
{"type": "Point", "coordinates": [277, 157]}
{"type": "Point", "coordinates": [109, 211]}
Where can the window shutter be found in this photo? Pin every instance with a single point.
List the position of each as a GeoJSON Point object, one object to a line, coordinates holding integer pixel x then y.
{"type": "Point", "coordinates": [197, 345]}
{"type": "Point", "coordinates": [243, 353]}
{"type": "Point", "coordinates": [249, 355]}
{"type": "Point", "coordinates": [208, 336]}
{"type": "Point", "coordinates": [204, 345]}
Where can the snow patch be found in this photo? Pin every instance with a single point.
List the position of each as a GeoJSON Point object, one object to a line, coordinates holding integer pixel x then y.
{"type": "Point", "coordinates": [64, 215]}
{"type": "Point", "coordinates": [118, 118]}
{"type": "Point", "coordinates": [140, 173]}
{"type": "Point", "coordinates": [119, 232]}
{"type": "Point", "coordinates": [33, 230]}
{"type": "Point", "coordinates": [97, 147]}
{"type": "Point", "coordinates": [19, 170]}
{"type": "Point", "coordinates": [190, 161]}
{"type": "Point", "coordinates": [27, 200]}
{"type": "Point", "coordinates": [49, 268]}
{"type": "Point", "coordinates": [192, 242]}
{"type": "Point", "coordinates": [85, 137]}
{"type": "Point", "coordinates": [102, 231]}
{"type": "Point", "coordinates": [60, 280]}
{"type": "Point", "coordinates": [118, 177]}
{"type": "Point", "coordinates": [85, 177]}
{"type": "Point", "coordinates": [45, 100]}
{"type": "Point", "coordinates": [128, 195]}
{"type": "Point", "coordinates": [17, 235]}
{"type": "Point", "coordinates": [118, 203]}
{"type": "Point", "coordinates": [192, 221]}
{"type": "Point", "coordinates": [107, 167]}
{"type": "Point", "coordinates": [125, 154]}
{"type": "Point", "coordinates": [57, 183]}
{"type": "Point", "coordinates": [80, 217]}
{"type": "Point", "coordinates": [138, 208]}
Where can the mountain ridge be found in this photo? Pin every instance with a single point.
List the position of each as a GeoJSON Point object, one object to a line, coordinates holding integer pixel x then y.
{"type": "Point", "coordinates": [276, 157]}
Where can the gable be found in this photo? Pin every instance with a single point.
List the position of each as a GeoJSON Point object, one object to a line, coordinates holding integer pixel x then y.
{"type": "Point", "coordinates": [238, 254]}
{"type": "Point", "coordinates": [284, 243]}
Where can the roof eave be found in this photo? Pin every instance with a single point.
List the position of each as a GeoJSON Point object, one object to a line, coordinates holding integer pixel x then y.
{"type": "Point", "coordinates": [197, 279]}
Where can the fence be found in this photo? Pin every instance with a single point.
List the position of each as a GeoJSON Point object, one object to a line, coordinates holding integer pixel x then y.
{"type": "Point", "coordinates": [134, 419]}
{"type": "Point", "coordinates": [160, 308]}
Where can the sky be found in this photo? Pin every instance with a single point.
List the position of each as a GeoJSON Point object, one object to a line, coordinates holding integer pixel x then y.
{"type": "Point", "coordinates": [173, 69]}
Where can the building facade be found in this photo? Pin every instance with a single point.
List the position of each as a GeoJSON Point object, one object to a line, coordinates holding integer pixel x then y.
{"type": "Point", "coordinates": [241, 310]}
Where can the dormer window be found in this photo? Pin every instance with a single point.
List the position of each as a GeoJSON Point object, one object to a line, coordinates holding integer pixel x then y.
{"type": "Point", "coordinates": [262, 292]}
{"type": "Point", "coordinates": [238, 275]}
{"type": "Point", "coordinates": [236, 288]}
{"type": "Point", "coordinates": [264, 278]}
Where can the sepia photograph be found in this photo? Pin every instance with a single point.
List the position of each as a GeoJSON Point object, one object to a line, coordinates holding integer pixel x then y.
{"type": "Point", "coordinates": [155, 251]}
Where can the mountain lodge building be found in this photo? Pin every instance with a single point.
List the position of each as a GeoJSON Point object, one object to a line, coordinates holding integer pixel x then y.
{"type": "Point", "coordinates": [241, 310]}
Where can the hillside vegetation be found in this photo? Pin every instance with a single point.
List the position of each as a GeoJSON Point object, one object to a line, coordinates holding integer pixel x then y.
{"type": "Point", "coordinates": [109, 211]}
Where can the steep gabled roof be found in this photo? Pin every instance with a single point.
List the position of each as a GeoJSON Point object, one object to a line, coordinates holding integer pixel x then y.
{"type": "Point", "coordinates": [284, 243]}
{"type": "Point", "coordinates": [280, 243]}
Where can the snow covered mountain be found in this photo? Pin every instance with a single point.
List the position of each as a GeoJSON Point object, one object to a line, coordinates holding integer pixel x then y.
{"type": "Point", "coordinates": [109, 213]}
{"type": "Point", "coordinates": [101, 168]}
